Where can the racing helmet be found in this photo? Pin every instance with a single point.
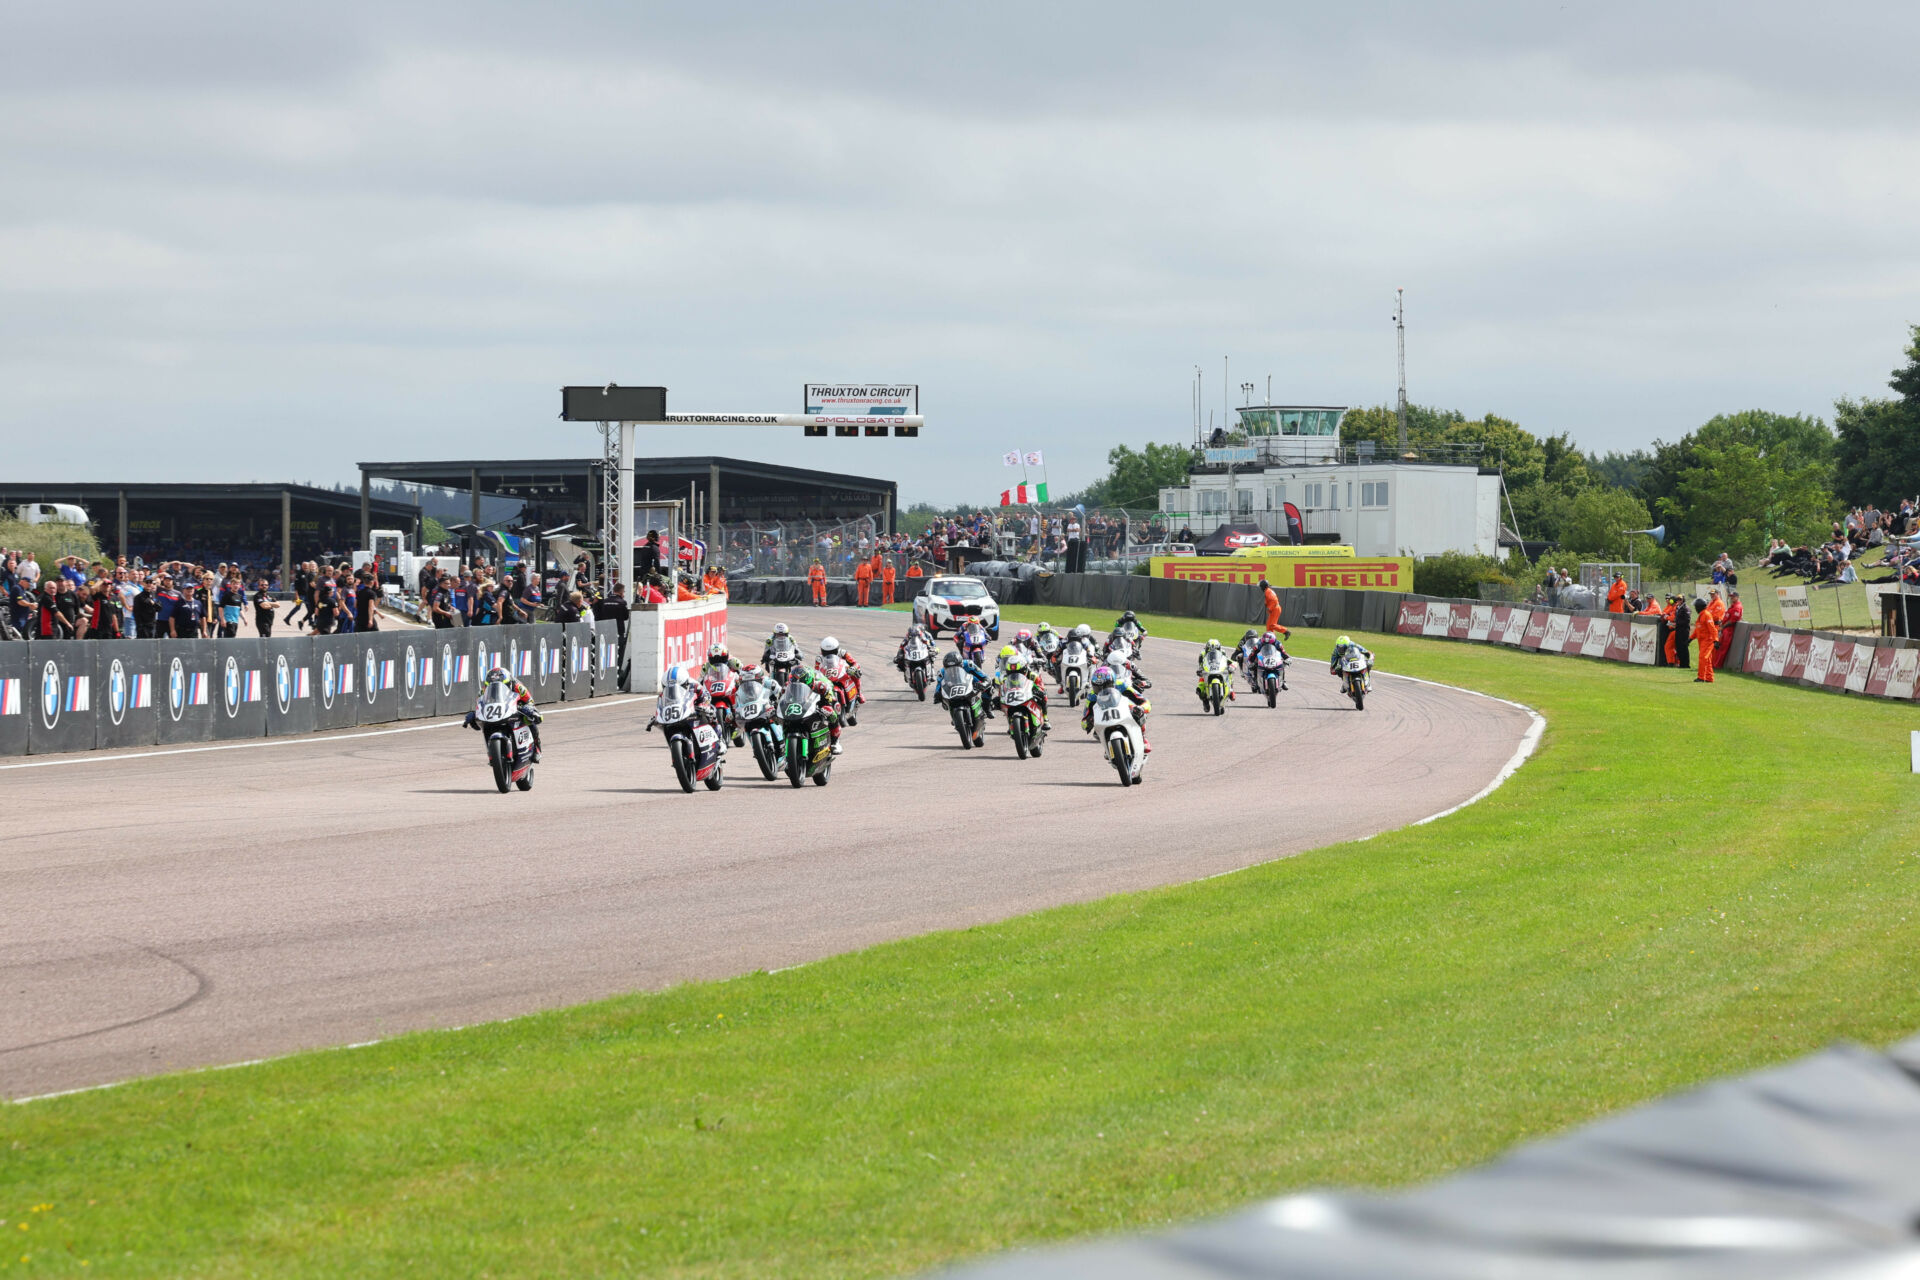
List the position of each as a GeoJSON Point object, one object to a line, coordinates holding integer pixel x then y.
{"type": "Point", "coordinates": [780, 629]}
{"type": "Point", "coordinates": [1102, 676]}
{"type": "Point", "coordinates": [1272, 637]}
{"type": "Point", "coordinates": [1343, 642]}
{"type": "Point", "coordinates": [1251, 632]}
{"type": "Point", "coordinates": [1128, 617]}
{"type": "Point", "coordinates": [717, 654]}
{"type": "Point", "coordinates": [951, 660]}
{"type": "Point", "coordinates": [1007, 651]}
{"type": "Point", "coordinates": [1045, 628]}
{"type": "Point", "coordinates": [829, 647]}
{"type": "Point", "coordinates": [1022, 635]}
{"type": "Point", "coordinates": [1083, 632]}
{"type": "Point", "coordinates": [1213, 644]}
{"type": "Point", "coordinates": [498, 675]}
{"type": "Point", "coordinates": [1016, 664]}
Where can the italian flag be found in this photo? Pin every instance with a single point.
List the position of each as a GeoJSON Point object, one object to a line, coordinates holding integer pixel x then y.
{"type": "Point", "coordinates": [1022, 494]}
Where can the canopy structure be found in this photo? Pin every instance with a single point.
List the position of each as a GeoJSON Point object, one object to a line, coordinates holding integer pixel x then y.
{"type": "Point", "coordinates": [1231, 537]}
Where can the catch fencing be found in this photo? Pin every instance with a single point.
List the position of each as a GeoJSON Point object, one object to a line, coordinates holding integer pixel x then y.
{"type": "Point", "coordinates": [80, 695]}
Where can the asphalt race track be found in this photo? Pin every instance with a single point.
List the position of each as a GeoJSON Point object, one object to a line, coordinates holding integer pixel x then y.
{"type": "Point", "coordinates": [188, 909]}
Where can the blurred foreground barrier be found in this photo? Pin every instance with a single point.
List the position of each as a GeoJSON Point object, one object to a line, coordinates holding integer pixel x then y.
{"type": "Point", "coordinates": [1807, 1170]}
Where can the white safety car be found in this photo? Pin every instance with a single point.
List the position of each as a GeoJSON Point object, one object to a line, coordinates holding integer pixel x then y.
{"type": "Point", "coordinates": [944, 603]}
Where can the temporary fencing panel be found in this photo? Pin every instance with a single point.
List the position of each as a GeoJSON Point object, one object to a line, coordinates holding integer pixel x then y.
{"type": "Point", "coordinates": [59, 696]}
{"type": "Point", "coordinates": [127, 691]}
{"type": "Point", "coordinates": [607, 658]}
{"type": "Point", "coordinates": [453, 673]}
{"type": "Point", "coordinates": [240, 706]}
{"type": "Point", "coordinates": [417, 692]}
{"type": "Point", "coordinates": [185, 690]}
{"type": "Point", "coordinates": [578, 640]}
{"type": "Point", "coordinates": [549, 662]}
{"type": "Point", "coordinates": [336, 680]}
{"type": "Point", "coordinates": [15, 687]}
{"type": "Point", "coordinates": [290, 686]}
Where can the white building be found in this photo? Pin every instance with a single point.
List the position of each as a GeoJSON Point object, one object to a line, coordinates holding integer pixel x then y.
{"type": "Point", "coordinates": [1381, 506]}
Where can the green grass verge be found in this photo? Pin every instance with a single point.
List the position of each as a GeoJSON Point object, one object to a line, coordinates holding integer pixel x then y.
{"type": "Point", "coordinates": [1666, 893]}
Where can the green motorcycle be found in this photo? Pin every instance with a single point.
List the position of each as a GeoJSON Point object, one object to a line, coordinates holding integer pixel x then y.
{"type": "Point", "coordinates": [809, 743]}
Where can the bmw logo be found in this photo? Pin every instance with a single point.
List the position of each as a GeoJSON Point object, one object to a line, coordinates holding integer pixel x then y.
{"type": "Point", "coordinates": [542, 673]}
{"type": "Point", "coordinates": [282, 684]}
{"type": "Point", "coordinates": [329, 678]}
{"type": "Point", "coordinates": [513, 657]}
{"type": "Point", "coordinates": [50, 694]}
{"type": "Point", "coordinates": [117, 691]}
{"type": "Point", "coordinates": [231, 687]}
{"type": "Point", "coordinates": [412, 674]}
{"type": "Point", "coordinates": [373, 670]}
{"type": "Point", "coordinates": [176, 689]}
{"type": "Point", "coordinates": [446, 670]}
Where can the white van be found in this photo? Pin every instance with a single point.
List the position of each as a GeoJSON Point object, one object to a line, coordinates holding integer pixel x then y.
{"type": "Point", "coordinates": [52, 513]}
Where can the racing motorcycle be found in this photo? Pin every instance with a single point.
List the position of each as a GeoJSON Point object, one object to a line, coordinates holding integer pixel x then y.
{"type": "Point", "coordinates": [1074, 664]}
{"type": "Point", "coordinates": [1047, 645]}
{"type": "Point", "coordinates": [1024, 725]}
{"type": "Point", "coordinates": [720, 686]}
{"type": "Point", "coordinates": [509, 740]}
{"type": "Point", "coordinates": [837, 670]}
{"type": "Point", "coordinates": [697, 751]}
{"type": "Point", "coordinates": [761, 726]}
{"type": "Point", "coordinates": [1271, 670]}
{"type": "Point", "coordinates": [971, 641]}
{"type": "Point", "coordinates": [783, 655]}
{"type": "Point", "coordinates": [1125, 745]}
{"type": "Point", "coordinates": [1120, 656]}
{"type": "Point", "coordinates": [1213, 685]}
{"type": "Point", "coordinates": [1355, 680]}
{"type": "Point", "coordinates": [962, 698]}
{"type": "Point", "coordinates": [803, 724]}
{"type": "Point", "coordinates": [919, 659]}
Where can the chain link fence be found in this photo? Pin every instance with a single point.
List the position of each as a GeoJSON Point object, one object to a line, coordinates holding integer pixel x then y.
{"type": "Point", "coordinates": [1114, 540]}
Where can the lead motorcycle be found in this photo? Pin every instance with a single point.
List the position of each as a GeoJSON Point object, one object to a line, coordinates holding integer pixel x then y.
{"type": "Point", "coordinates": [961, 696]}
{"type": "Point", "coordinates": [918, 656]}
{"type": "Point", "coordinates": [498, 717]}
{"type": "Point", "coordinates": [1214, 674]}
{"type": "Point", "coordinates": [809, 743]}
{"type": "Point", "coordinates": [783, 655]}
{"type": "Point", "coordinates": [1270, 668]}
{"type": "Point", "coordinates": [761, 725]}
{"type": "Point", "coordinates": [1356, 678]}
{"type": "Point", "coordinates": [698, 753]}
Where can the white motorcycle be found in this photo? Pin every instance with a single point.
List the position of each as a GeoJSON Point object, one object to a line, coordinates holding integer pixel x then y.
{"type": "Point", "coordinates": [783, 655]}
{"type": "Point", "coordinates": [1270, 669]}
{"type": "Point", "coordinates": [918, 657]}
{"type": "Point", "coordinates": [1125, 745]}
{"type": "Point", "coordinates": [1356, 678]}
{"type": "Point", "coordinates": [1024, 725]}
{"type": "Point", "coordinates": [1120, 656]}
{"type": "Point", "coordinates": [1075, 664]}
{"type": "Point", "coordinates": [1216, 675]}
{"type": "Point", "coordinates": [762, 726]}
{"type": "Point", "coordinates": [509, 740]}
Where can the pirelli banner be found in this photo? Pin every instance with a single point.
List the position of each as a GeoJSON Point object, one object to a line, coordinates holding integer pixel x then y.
{"type": "Point", "coordinates": [1293, 572]}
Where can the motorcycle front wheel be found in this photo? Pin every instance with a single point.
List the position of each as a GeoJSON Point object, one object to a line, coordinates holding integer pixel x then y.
{"type": "Point", "coordinates": [682, 766]}
{"type": "Point", "coordinates": [497, 756]}
{"type": "Point", "coordinates": [763, 756]}
{"type": "Point", "coordinates": [1121, 753]}
{"type": "Point", "coordinates": [1017, 730]}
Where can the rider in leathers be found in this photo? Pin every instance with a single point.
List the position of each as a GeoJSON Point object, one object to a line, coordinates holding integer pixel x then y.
{"type": "Point", "coordinates": [523, 702]}
{"type": "Point", "coordinates": [1104, 676]}
{"type": "Point", "coordinates": [829, 706]}
{"type": "Point", "coordinates": [1215, 652]}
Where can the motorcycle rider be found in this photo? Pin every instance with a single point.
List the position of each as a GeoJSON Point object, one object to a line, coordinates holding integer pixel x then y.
{"type": "Point", "coordinates": [1341, 647]}
{"type": "Point", "coordinates": [831, 649]}
{"type": "Point", "coordinates": [1129, 629]}
{"type": "Point", "coordinates": [1271, 644]}
{"type": "Point", "coordinates": [980, 677]}
{"type": "Point", "coordinates": [1244, 651]}
{"type": "Point", "coordinates": [914, 629]}
{"type": "Point", "coordinates": [1020, 664]}
{"type": "Point", "coordinates": [719, 663]}
{"type": "Point", "coordinates": [829, 705]}
{"type": "Point", "coordinates": [971, 634]}
{"type": "Point", "coordinates": [1212, 657]}
{"type": "Point", "coordinates": [780, 632]}
{"type": "Point", "coordinates": [523, 703]}
{"type": "Point", "coordinates": [1105, 677]}
{"type": "Point", "coordinates": [1046, 642]}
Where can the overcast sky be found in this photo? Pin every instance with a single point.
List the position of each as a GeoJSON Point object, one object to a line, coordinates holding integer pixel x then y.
{"type": "Point", "coordinates": [266, 241]}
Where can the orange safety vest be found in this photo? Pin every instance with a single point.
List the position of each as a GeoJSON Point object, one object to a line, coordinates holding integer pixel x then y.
{"type": "Point", "coordinates": [818, 573]}
{"type": "Point", "coordinates": [913, 571]}
{"type": "Point", "coordinates": [864, 573]}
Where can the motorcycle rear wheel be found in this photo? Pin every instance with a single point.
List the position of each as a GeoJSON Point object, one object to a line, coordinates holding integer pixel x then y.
{"type": "Point", "coordinates": [525, 781]}
{"type": "Point", "coordinates": [715, 779]}
{"type": "Point", "coordinates": [820, 778]}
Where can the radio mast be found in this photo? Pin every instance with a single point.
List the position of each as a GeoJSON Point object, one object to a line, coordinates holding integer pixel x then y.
{"type": "Point", "coordinates": [1400, 333]}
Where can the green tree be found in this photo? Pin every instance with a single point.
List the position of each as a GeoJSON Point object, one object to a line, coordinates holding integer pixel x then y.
{"type": "Point", "coordinates": [1877, 454]}
{"type": "Point", "coordinates": [1733, 498]}
{"type": "Point", "coordinates": [1595, 522]}
{"type": "Point", "coordinates": [1134, 479]}
{"type": "Point", "coordinates": [432, 532]}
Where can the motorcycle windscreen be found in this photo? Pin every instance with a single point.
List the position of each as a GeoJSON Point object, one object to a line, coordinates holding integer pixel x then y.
{"type": "Point", "coordinates": [496, 703]}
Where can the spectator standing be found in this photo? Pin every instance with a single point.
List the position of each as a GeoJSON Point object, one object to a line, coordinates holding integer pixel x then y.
{"type": "Point", "coordinates": [325, 606]}
{"type": "Point", "coordinates": [264, 608]}
{"type": "Point", "coordinates": [232, 600]}
{"type": "Point", "coordinates": [29, 573]}
{"type": "Point", "coordinates": [366, 595]}
{"type": "Point", "coordinates": [188, 613]}
{"type": "Point", "coordinates": [346, 602]}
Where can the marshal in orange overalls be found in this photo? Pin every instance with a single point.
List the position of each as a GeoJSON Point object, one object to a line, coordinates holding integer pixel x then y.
{"type": "Point", "coordinates": [863, 580]}
{"type": "Point", "coordinates": [1617, 595]}
{"type": "Point", "coordinates": [817, 575]}
{"type": "Point", "coordinates": [1707, 633]}
{"type": "Point", "coordinates": [886, 582]}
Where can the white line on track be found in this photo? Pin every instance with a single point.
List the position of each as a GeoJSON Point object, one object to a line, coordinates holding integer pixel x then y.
{"type": "Point", "coordinates": [302, 740]}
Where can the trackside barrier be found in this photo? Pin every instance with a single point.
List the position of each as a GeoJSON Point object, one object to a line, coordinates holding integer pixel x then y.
{"type": "Point", "coordinates": [79, 695]}
{"type": "Point", "coordinates": [658, 636]}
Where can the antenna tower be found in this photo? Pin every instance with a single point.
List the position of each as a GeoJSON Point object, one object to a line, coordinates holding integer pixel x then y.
{"type": "Point", "coordinates": [1400, 333]}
